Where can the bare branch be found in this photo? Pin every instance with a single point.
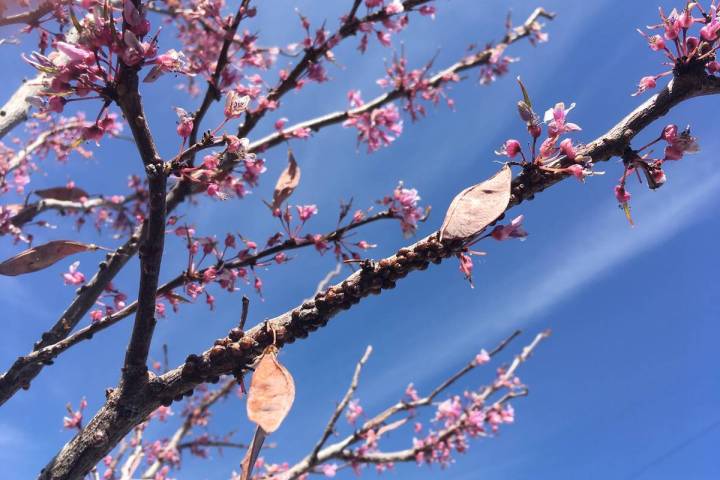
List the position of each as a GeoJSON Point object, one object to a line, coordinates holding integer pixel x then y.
{"type": "Point", "coordinates": [28, 212]}
{"type": "Point", "coordinates": [330, 427]}
{"type": "Point", "coordinates": [152, 244]}
{"type": "Point", "coordinates": [30, 17]}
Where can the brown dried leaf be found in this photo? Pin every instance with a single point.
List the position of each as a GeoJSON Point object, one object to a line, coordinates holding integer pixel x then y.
{"type": "Point", "coordinates": [287, 183]}
{"type": "Point", "coordinates": [478, 206]}
{"type": "Point", "coordinates": [42, 256]}
{"type": "Point", "coordinates": [62, 193]}
{"type": "Point", "coordinates": [272, 392]}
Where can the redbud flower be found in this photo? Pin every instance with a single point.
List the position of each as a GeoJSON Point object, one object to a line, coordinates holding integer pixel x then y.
{"type": "Point", "coordinates": [482, 357]}
{"type": "Point", "coordinates": [710, 31]}
{"type": "Point", "coordinates": [73, 276]}
{"type": "Point", "coordinates": [466, 266]}
{"type": "Point", "coordinates": [514, 230]}
{"type": "Point", "coordinates": [622, 195]}
{"type": "Point", "coordinates": [394, 7]}
{"type": "Point", "coordinates": [646, 83]}
{"type": "Point", "coordinates": [510, 148]}
{"type": "Point", "coordinates": [329, 469]}
{"type": "Point", "coordinates": [555, 118]}
{"type": "Point", "coordinates": [306, 211]}
{"type": "Point", "coordinates": [567, 148]}
{"type": "Point", "coordinates": [354, 410]}
{"type": "Point", "coordinates": [185, 124]}
{"type": "Point", "coordinates": [577, 171]}
{"type": "Point", "coordinates": [669, 133]}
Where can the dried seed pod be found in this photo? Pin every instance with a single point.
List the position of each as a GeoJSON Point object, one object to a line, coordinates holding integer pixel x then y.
{"type": "Point", "coordinates": [271, 394]}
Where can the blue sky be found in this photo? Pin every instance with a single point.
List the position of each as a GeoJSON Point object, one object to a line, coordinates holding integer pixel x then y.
{"type": "Point", "coordinates": [625, 388]}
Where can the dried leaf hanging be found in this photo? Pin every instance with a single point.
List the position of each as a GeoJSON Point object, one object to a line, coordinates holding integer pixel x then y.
{"type": "Point", "coordinates": [42, 256]}
{"type": "Point", "coordinates": [478, 206]}
{"type": "Point", "coordinates": [62, 193]}
{"type": "Point", "coordinates": [272, 392]}
{"type": "Point", "coordinates": [287, 183]}
{"type": "Point", "coordinates": [271, 395]}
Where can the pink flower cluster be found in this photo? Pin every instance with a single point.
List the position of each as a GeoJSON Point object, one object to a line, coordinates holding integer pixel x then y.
{"type": "Point", "coordinates": [686, 52]}
{"type": "Point", "coordinates": [415, 84]}
{"type": "Point", "coordinates": [404, 204]}
{"type": "Point", "coordinates": [86, 62]}
{"type": "Point", "coordinates": [677, 145]}
{"type": "Point", "coordinates": [377, 127]}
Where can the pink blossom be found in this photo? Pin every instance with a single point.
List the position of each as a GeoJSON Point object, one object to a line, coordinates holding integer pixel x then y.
{"type": "Point", "coordinates": [510, 148]}
{"type": "Point", "coordinates": [514, 230]}
{"type": "Point", "coordinates": [556, 120]}
{"type": "Point", "coordinates": [306, 211]}
{"type": "Point", "coordinates": [404, 205]}
{"type": "Point", "coordinates": [646, 83]}
{"type": "Point", "coordinates": [710, 31]}
{"type": "Point", "coordinates": [621, 194]}
{"type": "Point", "coordinates": [96, 316]}
{"type": "Point", "coordinates": [73, 276]}
{"type": "Point", "coordinates": [567, 148]}
{"type": "Point", "coordinates": [394, 7]}
{"type": "Point", "coordinates": [329, 469]}
{"type": "Point", "coordinates": [354, 411]}
{"type": "Point", "coordinates": [185, 123]}
{"type": "Point", "coordinates": [235, 105]}
{"type": "Point", "coordinates": [578, 171]}
{"type": "Point", "coordinates": [482, 357]}
{"type": "Point", "coordinates": [466, 266]}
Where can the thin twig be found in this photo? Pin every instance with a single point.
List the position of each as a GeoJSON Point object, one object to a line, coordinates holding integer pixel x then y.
{"type": "Point", "coordinates": [330, 427]}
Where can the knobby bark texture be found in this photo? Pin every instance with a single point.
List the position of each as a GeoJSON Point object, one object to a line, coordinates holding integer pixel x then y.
{"type": "Point", "coordinates": [238, 351]}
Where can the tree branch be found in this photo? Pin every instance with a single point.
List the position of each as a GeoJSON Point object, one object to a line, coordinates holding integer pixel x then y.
{"type": "Point", "coordinates": [330, 427]}
{"type": "Point", "coordinates": [115, 421]}
{"type": "Point", "coordinates": [30, 17]}
{"type": "Point", "coordinates": [152, 245]}
{"type": "Point", "coordinates": [333, 451]}
{"type": "Point", "coordinates": [28, 212]}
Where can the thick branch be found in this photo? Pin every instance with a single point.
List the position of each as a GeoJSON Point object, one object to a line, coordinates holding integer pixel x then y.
{"type": "Point", "coordinates": [151, 248]}
{"type": "Point", "coordinates": [27, 367]}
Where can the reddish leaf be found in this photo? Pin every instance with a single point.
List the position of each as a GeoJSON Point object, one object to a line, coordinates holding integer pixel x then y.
{"type": "Point", "coordinates": [287, 183]}
{"type": "Point", "coordinates": [42, 256]}
{"type": "Point", "coordinates": [478, 206]}
{"type": "Point", "coordinates": [62, 193]}
{"type": "Point", "coordinates": [272, 392]}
